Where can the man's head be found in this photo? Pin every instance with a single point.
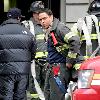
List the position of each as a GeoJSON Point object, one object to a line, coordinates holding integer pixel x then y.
{"type": "Point", "coordinates": [46, 17]}
{"type": "Point", "coordinates": [94, 7]}
{"type": "Point", "coordinates": [14, 13]}
{"type": "Point", "coordinates": [34, 8]}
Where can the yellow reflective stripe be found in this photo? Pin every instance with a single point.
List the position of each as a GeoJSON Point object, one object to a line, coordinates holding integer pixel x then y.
{"type": "Point", "coordinates": [93, 36]}
{"type": "Point", "coordinates": [76, 66]}
{"type": "Point", "coordinates": [41, 54]}
{"type": "Point", "coordinates": [74, 29]}
{"type": "Point", "coordinates": [72, 55]}
{"type": "Point", "coordinates": [86, 57]}
{"type": "Point", "coordinates": [40, 36]}
{"type": "Point", "coordinates": [96, 76]}
{"type": "Point", "coordinates": [68, 36]}
{"type": "Point", "coordinates": [99, 23]}
{"type": "Point", "coordinates": [61, 48]}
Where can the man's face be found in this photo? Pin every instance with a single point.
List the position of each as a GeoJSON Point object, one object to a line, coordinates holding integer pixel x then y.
{"type": "Point", "coordinates": [36, 17]}
{"type": "Point", "coordinates": [45, 20]}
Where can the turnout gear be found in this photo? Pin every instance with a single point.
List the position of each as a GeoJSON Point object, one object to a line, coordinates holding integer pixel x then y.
{"type": "Point", "coordinates": [67, 44]}
{"type": "Point", "coordinates": [63, 47]}
{"type": "Point", "coordinates": [88, 30]}
{"type": "Point", "coordinates": [39, 67]}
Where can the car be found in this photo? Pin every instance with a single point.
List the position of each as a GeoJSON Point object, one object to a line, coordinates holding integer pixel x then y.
{"type": "Point", "coordinates": [88, 80]}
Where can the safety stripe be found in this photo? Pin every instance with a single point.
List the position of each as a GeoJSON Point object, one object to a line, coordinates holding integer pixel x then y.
{"type": "Point", "coordinates": [72, 55]}
{"type": "Point", "coordinates": [74, 29]}
{"type": "Point", "coordinates": [41, 54]}
{"type": "Point", "coordinates": [95, 82]}
{"type": "Point", "coordinates": [86, 57]}
{"type": "Point", "coordinates": [61, 48]}
{"type": "Point", "coordinates": [40, 37]}
{"type": "Point", "coordinates": [69, 35]}
{"type": "Point", "coordinates": [92, 36]}
{"type": "Point", "coordinates": [96, 76]}
{"type": "Point", "coordinates": [76, 66]}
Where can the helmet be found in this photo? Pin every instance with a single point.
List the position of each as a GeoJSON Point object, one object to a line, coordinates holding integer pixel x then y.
{"type": "Point", "coordinates": [35, 6]}
{"type": "Point", "coordinates": [94, 7]}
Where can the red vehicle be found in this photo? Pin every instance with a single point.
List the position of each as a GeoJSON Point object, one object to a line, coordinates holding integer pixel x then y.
{"type": "Point", "coordinates": [88, 80]}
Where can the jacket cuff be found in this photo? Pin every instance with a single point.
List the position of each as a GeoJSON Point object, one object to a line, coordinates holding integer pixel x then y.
{"type": "Point", "coordinates": [70, 60]}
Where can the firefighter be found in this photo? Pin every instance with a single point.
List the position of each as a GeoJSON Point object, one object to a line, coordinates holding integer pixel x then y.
{"type": "Point", "coordinates": [88, 30]}
{"type": "Point", "coordinates": [41, 51]}
{"type": "Point", "coordinates": [63, 51]}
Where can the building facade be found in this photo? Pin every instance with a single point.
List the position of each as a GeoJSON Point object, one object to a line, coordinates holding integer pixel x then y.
{"type": "Point", "coordinates": [68, 11]}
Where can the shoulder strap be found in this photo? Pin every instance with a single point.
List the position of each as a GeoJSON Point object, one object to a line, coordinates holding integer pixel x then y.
{"type": "Point", "coordinates": [29, 25]}
{"type": "Point", "coordinates": [95, 19]}
{"type": "Point", "coordinates": [87, 36]}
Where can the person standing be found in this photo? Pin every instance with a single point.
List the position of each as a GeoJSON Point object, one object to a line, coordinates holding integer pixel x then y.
{"type": "Point", "coordinates": [63, 51]}
{"type": "Point", "coordinates": [17, 50]}
{"type": "Point", "coordinates": [41, 51]}
{"type": "Point", "coordinates": [88, 29]}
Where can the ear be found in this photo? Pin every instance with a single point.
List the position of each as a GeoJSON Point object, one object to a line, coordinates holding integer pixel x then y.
{"type": "Point", "coordinates": [18, 18]}
{"type": "Point", "coordinates": [51, 17]}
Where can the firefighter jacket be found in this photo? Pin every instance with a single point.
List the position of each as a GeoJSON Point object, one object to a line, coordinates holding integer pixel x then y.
{"type": "Point", "coordinates": [41, 45]}
{"type": "Point", "coordinates": [16, 48]}
{"type": "Point", "coordinates": [88, 31]}
{"type": "Point", "coordinates": [68, 45]}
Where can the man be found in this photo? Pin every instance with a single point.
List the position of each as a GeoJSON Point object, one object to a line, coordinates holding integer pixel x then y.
{"type": "Point", "coordinates": [63, 49]}
{"type": "Point", "coordinates": [41, 51]}
{"type": "Point", "coordinates": [16, 53]}
{"type": "Point", "coordinates": [88, 30]}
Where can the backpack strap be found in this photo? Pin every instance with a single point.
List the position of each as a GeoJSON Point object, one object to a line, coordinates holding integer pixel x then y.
{"type": "Point", "coordinates": [84, 28]}
{"type": "Point", "coordinates": [29, 25]}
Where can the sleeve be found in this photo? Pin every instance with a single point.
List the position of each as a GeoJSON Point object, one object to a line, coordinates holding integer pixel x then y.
{"type": "Point", "coordinates": [74, 49]}
{"type": "Point", "coordinates": [73, 41]}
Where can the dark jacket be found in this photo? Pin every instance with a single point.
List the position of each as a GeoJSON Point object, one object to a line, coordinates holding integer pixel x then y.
{"type": "Point", "coordinates": [40, 39]}
{"type": "Point", "coordinates": [61, 31]}
{"type": "Point", "coordinates": [16, 48]}
{"type": "Point", "coordinates": [41, 46]}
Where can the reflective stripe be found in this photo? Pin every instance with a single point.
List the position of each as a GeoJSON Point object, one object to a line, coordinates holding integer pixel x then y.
{"type": "Point", "coordinates": [40, 37]}
{"type": "Point", "coordinates": [86, 57]}
{"type": "Point", "coordinates": [41, 54]}
{"type": "Point", "coordinates": [76, 66]}
{"type": "Point", "coordinates": [92, 36]}
{"type": "Point", "coordinates": [95, 82]}
{"type": "Point", "coordinates": [74, 29]}
{"type": "Point", "coordinates": [72, 55]}
{"type": "Point", "coordinates": [69, 35]}
{"type": "Point", "coordinates": [62, 48]}
{"type": "Point", "coordinates": [96, 76]}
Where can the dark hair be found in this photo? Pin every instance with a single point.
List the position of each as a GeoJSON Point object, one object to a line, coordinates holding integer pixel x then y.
{"type": "Point", "coordinates": [46, 10]}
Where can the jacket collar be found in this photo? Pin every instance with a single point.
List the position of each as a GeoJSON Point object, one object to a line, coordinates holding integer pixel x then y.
{"type": "Point", "coordinates": [11, 21]}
